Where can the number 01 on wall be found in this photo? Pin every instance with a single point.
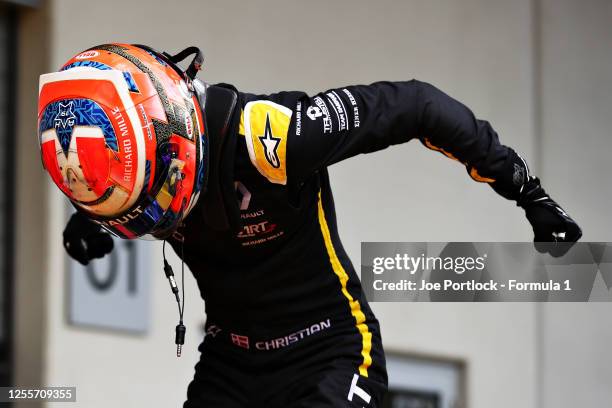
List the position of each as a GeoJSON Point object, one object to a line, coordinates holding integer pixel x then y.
{"type": "Point", "coordinates": [113, 292]}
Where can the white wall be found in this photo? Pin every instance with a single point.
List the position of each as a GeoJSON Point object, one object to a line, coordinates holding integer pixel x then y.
{"type": "Point", "coordinates": [479, 51]}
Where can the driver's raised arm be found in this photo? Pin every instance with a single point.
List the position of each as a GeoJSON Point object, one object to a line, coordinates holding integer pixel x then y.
{"type": "Point", "coordinates": [344, 122]}
{"type": "Point", "coordinates": [302, 134]}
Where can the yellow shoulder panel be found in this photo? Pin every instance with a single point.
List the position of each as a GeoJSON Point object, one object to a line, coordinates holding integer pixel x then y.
{"type": "Point", "coordinates": [266, 125]}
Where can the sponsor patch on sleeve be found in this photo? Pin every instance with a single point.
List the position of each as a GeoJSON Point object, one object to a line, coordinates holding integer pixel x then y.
{"type": "Point", "coordinates": [266, 125]}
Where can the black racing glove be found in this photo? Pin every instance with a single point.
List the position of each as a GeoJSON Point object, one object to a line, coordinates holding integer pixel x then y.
{"type": "Point", "coordinates": [84, 240]}
{"type": "Point", "coordinates": [554, 230]}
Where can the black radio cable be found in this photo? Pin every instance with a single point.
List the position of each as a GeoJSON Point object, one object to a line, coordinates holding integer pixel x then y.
{"type": "Point", "coordinates": [180, 330]}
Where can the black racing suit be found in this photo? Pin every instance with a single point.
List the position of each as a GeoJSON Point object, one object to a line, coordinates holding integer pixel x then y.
{"type": "Point", "coordinates": [287, 322]}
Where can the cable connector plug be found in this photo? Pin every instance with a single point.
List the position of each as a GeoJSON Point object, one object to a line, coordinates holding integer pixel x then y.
{"type": "Point", "coordinates": [170, 275]}
{"type": "Point", "coordinates": [180, 338]}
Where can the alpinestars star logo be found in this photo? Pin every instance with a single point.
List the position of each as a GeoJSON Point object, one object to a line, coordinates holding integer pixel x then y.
{"type": "Point", "coordinates": [65, 117]}
{"type": "Point", "coordinates": [270, 144]}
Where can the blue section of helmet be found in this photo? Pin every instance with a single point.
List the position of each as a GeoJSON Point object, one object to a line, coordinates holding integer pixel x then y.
{"type": "Point", "coordinates": [98, 65]}
{"type": "Point", "coordinates": [130, 81]}
{"type": "Point", "coordinates": [138, 225]}
{"type": "Point", "coordinates": [161, 61]}
{"type": "Point", "coordinates": [169, 222]}
{"type": "Point", "coordinates": [147, 176]}
{"type": "Point", "coordinates": [91, 64]}
{"type": "Point", "coordinates": [65, 114]}
{"type": "Point", "coordinates": [153, 218]}
{"type": "Point", "coordinates": [154, 212]}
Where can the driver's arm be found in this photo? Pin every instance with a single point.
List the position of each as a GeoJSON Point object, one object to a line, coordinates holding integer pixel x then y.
{"type": "Point", "coordinates": [309, 133]}
{"type": "Point", "coordinates": [342, 123]}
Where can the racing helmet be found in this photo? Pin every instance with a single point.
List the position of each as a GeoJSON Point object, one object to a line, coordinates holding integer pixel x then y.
{"type": "Point", "coordinates": [122, 134]}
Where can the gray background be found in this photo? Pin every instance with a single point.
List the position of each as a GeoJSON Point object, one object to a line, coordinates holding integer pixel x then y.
{"type": "Point", "coordinates": [537, 69]}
